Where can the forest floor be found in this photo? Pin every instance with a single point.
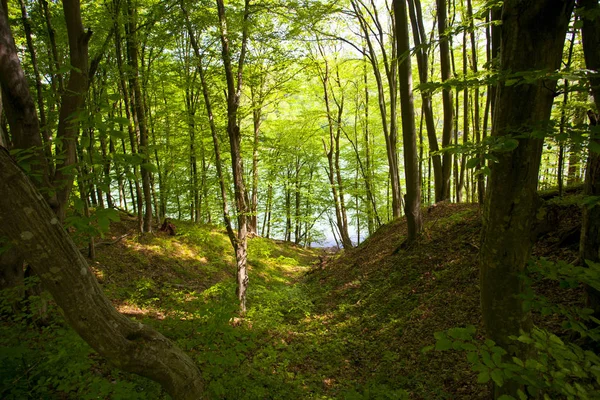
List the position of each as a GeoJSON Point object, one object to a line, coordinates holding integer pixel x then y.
{"type": "Point", "coordinates": [347, 326]}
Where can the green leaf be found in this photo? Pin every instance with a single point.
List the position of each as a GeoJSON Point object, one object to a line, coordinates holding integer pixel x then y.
{"type": "Point", "coordinates": [483, 377]}
{"type": "Point", "coordinates": [498, 377]}
{"type": "Point", "coordinates": [149, 167]}
{"type": "Point", "coordinates": [443, 344]}
{"type": "Point", "coordinates": [473, 162]}
{"type": "Point", "coordinates": [518, 361]}
{"type": "Point", "coordinates": [487, 359]}
{"type": "Point", "coordinates": [510, 144]}
{"type": "Point", "coordinates": [472, 357]}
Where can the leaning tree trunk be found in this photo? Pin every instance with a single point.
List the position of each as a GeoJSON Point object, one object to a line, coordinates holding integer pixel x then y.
{"type": "Point", "coordinates": [35, 231]}
{"type": "Point", "coordinates": [533, 35]}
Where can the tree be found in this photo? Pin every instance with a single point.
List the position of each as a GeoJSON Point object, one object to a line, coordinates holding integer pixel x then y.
{"type": "Point", "coordinates": [448, 130]}
{"type": "Point", "coordinates": [37, 236]}
{"type": "Point", "coordinates": [234, 92]}
{"type": "Point", "coordinates": [34, 230]}
{"type": "Point", "coordinates": [590, 229]}
{"type": "Point", "coordinates": [373, 33]}
{"type": "Point", "coordinates": [532, 41]}
{"type": "Point", "coordinates": [412, 204]}
{"type": "Point", "coordinates": [139, 112]}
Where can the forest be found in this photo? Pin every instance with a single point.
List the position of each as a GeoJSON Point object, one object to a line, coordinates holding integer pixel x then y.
{"type": "Point", "coordinates": [300, 199]}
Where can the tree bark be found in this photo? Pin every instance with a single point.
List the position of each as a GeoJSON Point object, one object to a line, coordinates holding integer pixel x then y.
{"type": "Point", "coordinates": [39, 237]}
{"type": "Point", "coordinates": [590, 228]}
{"type": "Point", "coordinates": [412, 204]}
{"type": "Point", "coordinates": [140, 114]}
{"type": "Point", "coordinates": [533, 35]}
{"type": "Point", "coordinates": [19, 107]}
{"type": "Point", "coordinates": [72, 104]}
{"type": "Point", "coordinates": [416, 18]}
{"type": "Point", "coordinates": [448, 129]}
{"type": "Point", "coordinates": [389, 131]}
{"type": "Point", "coordinates": [234, 92]}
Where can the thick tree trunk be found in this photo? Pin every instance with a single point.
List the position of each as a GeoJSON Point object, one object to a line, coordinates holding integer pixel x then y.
{"type": "Point", "coordinates": [31, 226]}
{"type": "Point", "coordinates": [19, 107]}
{"type": "Point", "coordinates": [532, 39]}
{"type": "Point", "coordinates": [590, 229]}
{"type": "Point", "coordinates": [412, 207]}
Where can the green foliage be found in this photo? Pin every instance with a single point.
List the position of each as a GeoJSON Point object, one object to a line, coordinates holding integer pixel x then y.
{"type": "Point", "coordinates": [555, 367]}
{"type": "Point", "coordinates": [97, 224]}
{"type": "Point", "coordinates": [42, 358]}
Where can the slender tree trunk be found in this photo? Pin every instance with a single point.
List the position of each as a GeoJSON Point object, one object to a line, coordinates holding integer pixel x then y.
{"type": "Point", "coordinates": [476, 116]}
{"type": "Point", "coordinates": [332, 152]}
{"type": "Point", "coordinates": [465, 138]}
{"type": "Point", "coordinates": [418, 28]}
{"type": "Point", "coordinates": [256, 121]}
{"type": "Point", "coordinates": [72, 103]}
{"type": "Point", "coordinates": [563, 120]}
{"type": "Point", "coordinates": [140, 113]}
{"type": "Point", "coordinates": [389, 131]}
{"type": "Point", "coordinates": [234, 91]}
{"type": "Point", "coordinates": [137, 198]}
{"type": "Point", "coordinates": [412, 202]}
{"type": "Point", "coordinates": [448, 129]}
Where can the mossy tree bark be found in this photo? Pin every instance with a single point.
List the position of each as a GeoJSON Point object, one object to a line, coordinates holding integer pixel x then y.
{"type": "Point", "coordinates": [35, 231]}
{"type": "Point", "coordinates": [533, 35]}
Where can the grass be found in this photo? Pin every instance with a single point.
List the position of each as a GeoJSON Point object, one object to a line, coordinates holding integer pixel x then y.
{"type": "Point", "coordinates": [345, 326]}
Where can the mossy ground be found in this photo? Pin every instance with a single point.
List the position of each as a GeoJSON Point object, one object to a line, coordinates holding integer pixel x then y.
{"type": "Point", "coordinates": [345, 326]}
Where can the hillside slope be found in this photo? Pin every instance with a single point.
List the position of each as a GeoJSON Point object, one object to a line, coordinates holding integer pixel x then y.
{"type": "Point", "coordinates": [385, 303]}
{"type": "Point", "coordinates": [319, 326]}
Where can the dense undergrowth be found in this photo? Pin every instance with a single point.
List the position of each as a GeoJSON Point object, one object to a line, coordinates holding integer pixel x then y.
{"type": "Point", "coordinates": [346, 326]}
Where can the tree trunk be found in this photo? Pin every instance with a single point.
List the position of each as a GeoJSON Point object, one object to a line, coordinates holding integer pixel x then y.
{"type": "Point", "coordinates": [234, 92]}
{"type": "Point", "coordinates": [137, 199]}
{"type": "Point", "coordinates": [140, 114]}
{"type": "Point", "coordinates": [412, 207]}
{"type": "Point", "coordinates": [389, 131]}
{"type": "Point", "coordinates": [416, 18]}
{"type": "Point", "coordinates": [29, 223]}
{"type": "Point", "coordinates": [72, 104]}
{"type": "Point", "coordinates": [447, 132]}
{"type": "Point", "coordinates": [590, 228]}
{"type": "Point", "coordinates": [533, 35]}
